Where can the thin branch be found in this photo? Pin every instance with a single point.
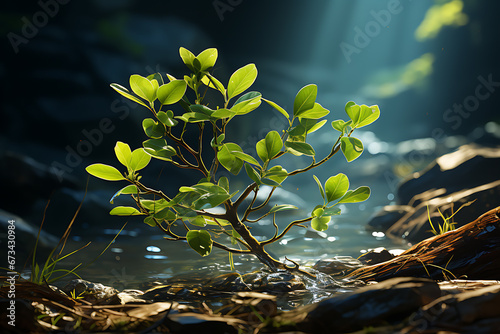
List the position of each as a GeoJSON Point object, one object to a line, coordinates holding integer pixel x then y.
{"type": "Point", "coordinates": [249, 209]}
{"type": "Point", "coordinates": [244, 195]}
{"type": "Point", "coordinates": [266, 201]}
{"type": "Point", "coordinates": [335, 149]}
{"type": "Point", "coordinates": [285, 231]}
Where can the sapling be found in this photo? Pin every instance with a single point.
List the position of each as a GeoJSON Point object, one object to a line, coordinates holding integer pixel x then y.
{"type": "Point", "coordinates": [189, 215]}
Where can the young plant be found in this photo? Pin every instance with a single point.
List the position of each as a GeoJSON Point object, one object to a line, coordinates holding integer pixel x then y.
{"type": "Point", "coordinates": [448, 223]}
{"type": "Point", "coordinates": [189, 215]}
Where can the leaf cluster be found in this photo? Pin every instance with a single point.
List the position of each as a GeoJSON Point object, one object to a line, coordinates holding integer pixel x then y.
{"type": "Point", "coordinates": [202, 212]}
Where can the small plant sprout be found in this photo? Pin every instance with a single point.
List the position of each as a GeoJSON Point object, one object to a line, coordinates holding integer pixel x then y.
{"type": "Point", "coordinates": [448, 223]}
{"type": "Point", "coordinates": [188, 215]}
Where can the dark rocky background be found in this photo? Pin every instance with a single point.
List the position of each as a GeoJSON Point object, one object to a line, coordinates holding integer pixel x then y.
{"type": "Point", "coordinates": [55, 97]}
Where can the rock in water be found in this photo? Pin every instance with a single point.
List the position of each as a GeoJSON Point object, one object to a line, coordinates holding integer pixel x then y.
{"type": "Point", "coordinates": [471, 250]}
{"type": "Point", "coordinates": [468, 167]}
{"type": "Point", "coordinates": [474, 311]}
{"type": "Point", "coordinates": [469, 174]}
{"type": "Point", "coordinates": [392, 300]}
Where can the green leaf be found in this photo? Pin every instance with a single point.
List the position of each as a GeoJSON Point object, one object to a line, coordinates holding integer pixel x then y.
{"type": "Point", "coordinates": [320, 186]}
{"type": "Point", "coordinates": [198, 221]}
{"type": "Point", "coordinates": [149, 220]}
{"type": "Point", "coordinates": [224, 183]}
{"type": "Point", "coordinates": [245, 157]}
{"type": "Point", "coordinates": [187, 57]}
{"type": "Point", "coordinates": [305, 99]}
{"type": "Point", "coordinates": [212, 82]}
{"type": "Point", "coordinates": [282, 207]}
{"type": "Point", "coordinates": [154, 205]}
{"type": "Point", "coordinates": [125, 211]}
{"type": "Point", "coordinates": [193, 117]}
{"type": "Point", "coordinates": [318, 211]}
{"type": "Point", "coordinates": [270, 146]}
{"type": "Point", "coordinates": [130, 189]}
{"type": "Point", "coordinates": [358, 195]}
{"type": "Point", "coordinates": [277, 174]}
{"type": "Point", "coordinates": [207, 58]}
{"type": "Point", "coordinates": [159, 149]}
{"type": "Point", "coordinates": [368, 115]}
{"type": "Point", "coordinates": [332, 211]}
{"type": "Point", "coordinates": [105, 172]}
{"type": "Point", "coordinates": [270, 182]}
{"type": "Point", "coordinates": [351, 147]}
{"type": "Point", "coordinates": [165, 214]}
{"type": "Point", "coordinates": [320, 223]}
{"type": "Point", "coordinates": [125, 92]}
{"type": "Point", "coordinates": [185, 189]}
{"type": "Point", "coordinates": [142, 87]}
{"type": "Point", "coordinates": [336, 186]}
{"type": "Point", "coordinates": [247, 96]}
{"type": "Point", "coordinates": [277, 107]}
{"type": "Point", "coordinates": [314, 113]}
{"type": "Point", "coordinates": [123, 153]}
{"type": "Point", "coordinates": [316, 126]}
{"type": "Point", "coordinates": [299, 148]}
{"type": "Point", "coordinates": [199, 108]}
{"type": "Point", "coordinates": [171, 92]}
{"type": "Point", "coordinates": [241, 80]}
{"type": "Point", "coordinates": [217, 142]}
{"type": "Point", "coordinates": [339, 125]}
{"type": "Point", "coordinates": [246, 106]}
{"type": "Point", "coordinates": [139, 159]}
{"type": "Point", "coordinates": [227, 159]}
{"type": "Point", "coordinates": [200, 241]}
{"type": "Point", "coordinates": [252, 174]}
{"type": "Point", "coordinates": [167, 118]}
{"type": "Point", "coordinates": [152, 128]}
{"type": "Point", "coordinates": [156, 76]}
{"type": "Point", "coordinates": [353, 111]}
{"type": "Point", "coordinates": [223, 113]}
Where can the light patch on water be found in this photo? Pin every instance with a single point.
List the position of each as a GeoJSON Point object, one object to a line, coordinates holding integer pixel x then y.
{"type": "Point", "coordinates": [116, 250]}
{"type": "Point", "coordinates": [153, 249]}
{"type": "Point", "coordinates": [155, 257]}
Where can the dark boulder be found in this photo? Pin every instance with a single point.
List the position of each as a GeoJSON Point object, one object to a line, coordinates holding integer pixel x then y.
{"type": "Point", "coordinates": [468, 167]}
{"type": "Point", "coordinates": [390, 301]}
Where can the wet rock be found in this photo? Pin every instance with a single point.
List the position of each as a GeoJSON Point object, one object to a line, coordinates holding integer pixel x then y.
{"type": "Point", "coordinates": [227, 282]}
{"type": "Point", "coordinates": [468, 174]}
{"type": "Point", "coordinates": [386, 217]}
{"type": "Point", "coordinates": [474, 311]}
{"type": "Point", "coordinates": [390, 301]}
{"type": "Point", "coordinates": [471, 250]}
{"type": "Point", "coordinates": [415, 226]}
{"type": "Point", "coordinates": [376, 255]}
{"type": "Point", "coordinates": [93, 292]}
{"type": "Point", "coordinates": [338, 265]}
{"type": "Point", "coordinates": [468, 167]}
